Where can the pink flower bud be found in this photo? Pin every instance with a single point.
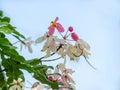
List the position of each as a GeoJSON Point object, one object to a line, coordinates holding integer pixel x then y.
{"type": "Point", "coordinates": [59, 80]}
{"type": "Point", "coordinates": [74, 36]}
{"type": "Point", "coordinates": [70, 28]}
{"type": "Point", "coordinates": [50, 78]}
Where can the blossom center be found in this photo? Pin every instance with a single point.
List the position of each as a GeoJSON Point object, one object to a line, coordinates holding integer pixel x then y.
{"type": "Point", "coordinates": [53, 24]}
{"type": "Point", "coordinates": [18, 83]}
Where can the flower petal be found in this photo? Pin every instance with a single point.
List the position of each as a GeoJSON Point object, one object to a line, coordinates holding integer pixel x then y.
{"type": "Point", "coordinates": [29, 48]}
{"type": "Point", "coordinates": [60, 27]}
{"type": "Point", "coordinates": [39, 40]}
{"type": "Point", "coordinates": [56, 19]}
{"type": "Point", "coordinates": [51, 31]}
{"type": "Point", "coordinates": [39, 87]}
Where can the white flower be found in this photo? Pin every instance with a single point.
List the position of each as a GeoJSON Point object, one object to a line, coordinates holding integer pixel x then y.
{"type": "Point", "coordinates": [67, 80]}
{"type": "Point", "coordinates": [82, 44]}
{"type": "Point", "coordinates": [85, 53]}
{"type": "Point", "coordinates": [62, 52]}
{"type": "Point", "coordinates": [28, 43]}
{"type": "Point", "coordinates": [17, 85]}
{"type": "Point", "coordinates": [70, 71]}
{"type": "Point", "coordinates": [49, 46]}
{"type": "Point", "coordinates": [59, 67]}
{"type": "Point", "coordinates": [73, 52]}
{"type": "Point", "coordinates": [83, 47]}
{"type": "Point", "coordinates": [37, 86]}
{"type": "Point", "coordinates": [64, 47]}
{"type": "Point", "coordinates": [73, 87]}
{"type": "Point", "coordinates": [65, 74]}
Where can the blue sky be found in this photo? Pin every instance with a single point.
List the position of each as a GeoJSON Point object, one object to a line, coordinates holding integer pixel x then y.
{"type": "Point", "coordinates": [95, 21]}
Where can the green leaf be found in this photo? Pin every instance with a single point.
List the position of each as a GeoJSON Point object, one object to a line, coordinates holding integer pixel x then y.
{"type": "Point", "coordinates": [4, 41]}
{"type": "Point", "coordinates": [16, 32]}
{"type": "Point", "coordinates": [33, 62]}
{"type": "Point", "coordinates": [54, 85]}
{"type": "Point", "coordinates": [5, 63]}
{"type": "Point", "coordinates": [2, 35]}
{"type": "Point", "coordinates": [7, 47]}
{"type": "Point", "coordinates": [18, 38]}
{"type": "Point", "coordinates": [40, 67]}
{"type": "Point", "coordinates": [42, 78]}
{"type": "Point", "coordinates": [12, 74]}
{"type": "Point", "coordinates": [2, 78]}
{"type": "Point", "coordinates": [6, 19]}
{"type": "Point", "coordinates": [12, 71]}
{"type": "Point", "coordinates": [13, 54]}
{"type": "Point", "coordinates": [10, 52]}
{"type": "Point", "coordinates": [3, 24]}
{"type": "Point", "coordinates": [6, 30]}
{"type": "Point", "coordinates": [19, 58]}
{"type": "Point", "coordinates": [26, 67]}
{"type": "Point", "coordinates": [1, 13]}
{"type": "Point", "coordinates": [4, 88]}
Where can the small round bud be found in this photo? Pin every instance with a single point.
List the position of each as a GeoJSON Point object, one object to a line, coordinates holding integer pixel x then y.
{"type": "Point", "coordinates": [70, 28]}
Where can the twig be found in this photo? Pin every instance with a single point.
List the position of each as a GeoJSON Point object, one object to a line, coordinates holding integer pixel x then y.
{"type": "Point", "coordinates": [15, 42]}
{"type": "Point", "coordinates": [51, 60]}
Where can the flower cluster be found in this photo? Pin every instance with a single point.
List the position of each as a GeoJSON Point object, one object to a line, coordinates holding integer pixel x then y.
{"type": "Point", "coordinates": [69, 45]}
{"type": "Point", "coordinates": [65, 80]}
{"type": "Point", "coordinates": [63, 46]}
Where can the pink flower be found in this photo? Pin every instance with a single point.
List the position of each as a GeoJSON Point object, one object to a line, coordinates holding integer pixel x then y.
{"type": "Point", "coordinates": [61, 88]}
{"type": "Point", "coordinates": [54, 25]}
{"type": "Point", "coordinates": [74, 36]}
{"type": "Point", "coordinates": [70, 28]}
{"type": "Point", "coordinates": [59, 80]}
{"type": "Point", "coordinates": [50, 78]}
